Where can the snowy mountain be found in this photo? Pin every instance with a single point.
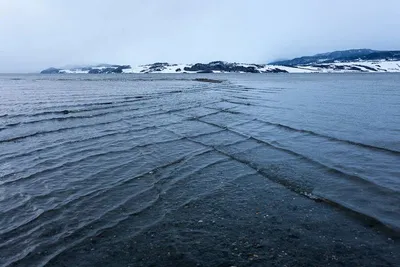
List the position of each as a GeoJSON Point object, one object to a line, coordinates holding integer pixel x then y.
{"type": "Point", "coordinates": [353, 66]}
{"type": "Point", "coordinates": [212, 67]}
{"type": "Point", "coordinates": [355, 60]}
{"type": "Point", "coordinates": [342, 56]}
{"type": "Point", "coordinates": [339, 67]}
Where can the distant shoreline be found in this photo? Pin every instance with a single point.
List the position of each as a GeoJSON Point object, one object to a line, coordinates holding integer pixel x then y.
{"type": "Point", "coordinates": [376, 66]}
{"type": "Point", "coordinates": [346, 61]}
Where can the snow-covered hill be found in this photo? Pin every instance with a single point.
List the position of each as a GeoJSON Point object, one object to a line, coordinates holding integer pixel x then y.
{"type": "Point", "coordinates": [225, 67]}
{"type": "Point", "coordinates": [354, 66]}
{"type": "Point", "coordinates": [350, 55]}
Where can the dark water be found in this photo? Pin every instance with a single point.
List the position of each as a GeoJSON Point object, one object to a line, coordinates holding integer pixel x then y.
{"type": "Point", "coordinates": [131, 170]}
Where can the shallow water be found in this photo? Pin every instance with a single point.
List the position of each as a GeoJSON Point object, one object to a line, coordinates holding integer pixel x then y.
{"type": "Point", "coordinates": [81, 155]}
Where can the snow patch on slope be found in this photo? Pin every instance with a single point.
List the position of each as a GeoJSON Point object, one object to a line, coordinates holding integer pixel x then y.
{"type": "Point", "coordinates": [355, 66]}
{"type": "Point", "coordinates": [224, 67]}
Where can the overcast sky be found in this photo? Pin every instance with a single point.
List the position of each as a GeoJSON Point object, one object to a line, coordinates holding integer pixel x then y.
{"type": "Point", "coordinates": [35, 34]}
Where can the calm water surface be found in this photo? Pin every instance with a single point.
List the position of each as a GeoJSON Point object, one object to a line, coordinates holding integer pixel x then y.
{"type": "Point", "coordinates": [90, 165]}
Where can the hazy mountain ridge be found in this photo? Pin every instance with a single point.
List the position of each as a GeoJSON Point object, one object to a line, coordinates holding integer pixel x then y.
{"type": "Point", "coordinates": [354, 60]}
{"type": "Point", "coordinates": [341, 56]}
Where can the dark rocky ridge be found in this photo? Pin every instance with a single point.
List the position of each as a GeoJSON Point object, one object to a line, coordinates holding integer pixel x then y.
{"type": "Point", "coordinates": [50, 71]}
{"type": "Point", "coordinates": [220, 66]}
{"type": "Point", "coordinates": [227, 67]}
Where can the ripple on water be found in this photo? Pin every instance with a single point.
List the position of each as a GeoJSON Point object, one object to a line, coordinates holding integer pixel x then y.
{"type": "Point", "coordinates": [93, 164]}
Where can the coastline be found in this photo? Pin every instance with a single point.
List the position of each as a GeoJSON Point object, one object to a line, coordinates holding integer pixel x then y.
{"type": "Point", "coordinates": [376, 66]}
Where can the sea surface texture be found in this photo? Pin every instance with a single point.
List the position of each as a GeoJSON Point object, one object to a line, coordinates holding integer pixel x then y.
{"type": "Point", "coordinates": [162, 170]}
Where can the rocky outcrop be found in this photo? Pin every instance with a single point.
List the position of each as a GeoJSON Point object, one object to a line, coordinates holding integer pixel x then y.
{"type": "Point", "coordinates": [50, 71]}
{"type": "Point", "coordinates": [221, 66]}
{"type": "Point", "coordinates": [94, 71]}
{"type": "Point", "coordinates": [275, 70]}
{"type": "Point", "coordinates": [206, 80]}
{"type": "Point", "coordinates": [109, 70]}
